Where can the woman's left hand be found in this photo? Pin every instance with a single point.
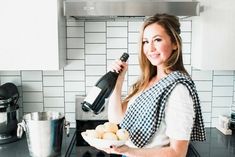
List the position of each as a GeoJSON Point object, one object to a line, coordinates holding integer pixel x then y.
{"type": "Point", "coordinates": [122, 150]}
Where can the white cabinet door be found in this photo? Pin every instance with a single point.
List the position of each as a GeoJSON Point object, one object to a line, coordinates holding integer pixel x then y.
{"type": "Point", "coordinates": [213, 36]}
{"type": "Point", "coordinates": [32, 35]}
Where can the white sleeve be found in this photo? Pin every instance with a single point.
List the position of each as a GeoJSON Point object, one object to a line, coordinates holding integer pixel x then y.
{"type": "Point", "coordinates": [179, 114]}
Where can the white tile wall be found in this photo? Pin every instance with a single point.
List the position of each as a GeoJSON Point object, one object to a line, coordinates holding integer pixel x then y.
{"type": "Point", "coordinates": [91, 47]}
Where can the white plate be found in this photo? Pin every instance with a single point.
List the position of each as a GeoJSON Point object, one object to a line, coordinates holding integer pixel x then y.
{"type": "Point", "coordinates": [101, 143]}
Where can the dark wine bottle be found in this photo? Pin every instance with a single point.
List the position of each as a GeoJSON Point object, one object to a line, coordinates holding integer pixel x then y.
{"type": "Point", "coordinates": [103, 88]}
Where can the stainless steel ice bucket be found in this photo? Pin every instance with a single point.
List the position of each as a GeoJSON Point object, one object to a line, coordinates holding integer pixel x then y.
{"type": "Point", "coordinates": [44, 132]}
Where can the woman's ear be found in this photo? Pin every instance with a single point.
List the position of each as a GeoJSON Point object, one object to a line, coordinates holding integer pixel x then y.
{"type": "Point", "coordinates": [174, 46]}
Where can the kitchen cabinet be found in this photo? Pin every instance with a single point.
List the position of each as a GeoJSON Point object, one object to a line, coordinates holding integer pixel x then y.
{"type": "Point", "coordinates": [213, 36]}
{"type": "Point", "coordinates": [32, 35]}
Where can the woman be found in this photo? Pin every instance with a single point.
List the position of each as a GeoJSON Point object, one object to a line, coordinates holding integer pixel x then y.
{"type": "Point", "coordinates": [162, 111]}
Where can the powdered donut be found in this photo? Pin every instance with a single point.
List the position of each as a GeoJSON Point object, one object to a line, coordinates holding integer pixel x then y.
{"type": "Point", "coordinates": [110, 127]}
{"type": "Point", "coordinates": [100, 129]}
{"type": "Point", "coordinates": [110, 136]}
{"type": "Point", "coordinates": [93, 133]}
{"type": "Point", "coordinates": [122, 134]}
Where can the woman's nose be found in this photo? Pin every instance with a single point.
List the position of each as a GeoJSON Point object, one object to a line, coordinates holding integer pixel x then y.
{"type": "Point", "coordinates": [152, 46]}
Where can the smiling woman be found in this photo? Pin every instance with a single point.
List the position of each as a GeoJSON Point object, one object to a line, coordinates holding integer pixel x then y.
{"type": "Point", "coordinates": [163, 95]}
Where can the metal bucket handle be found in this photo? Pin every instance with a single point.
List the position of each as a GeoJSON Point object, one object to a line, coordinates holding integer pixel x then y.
{"type": "Point", "coordinates": [67, 127]}
{"type": "Point", "coordinates": [21, 127]}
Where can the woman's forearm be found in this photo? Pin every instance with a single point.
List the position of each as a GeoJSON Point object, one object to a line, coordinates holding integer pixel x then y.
{"type": "Point", "coordinates": [115, 110]}
{"type": "Point", "coordinates": [154, 152]}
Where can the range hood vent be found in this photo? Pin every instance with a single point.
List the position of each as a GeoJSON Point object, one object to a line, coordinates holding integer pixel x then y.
{"type": "Point", "coordinates": [129, 8]}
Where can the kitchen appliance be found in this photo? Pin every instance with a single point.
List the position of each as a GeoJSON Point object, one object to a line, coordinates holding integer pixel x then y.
{"type": "Point", "coordinates": [44, 132]}
{"type": "Point", "coordinates": [129, 8]}
{"type": "Point", "coordinates": [9, 115]}
{"type": "Point", "coordinates": [78, 147]}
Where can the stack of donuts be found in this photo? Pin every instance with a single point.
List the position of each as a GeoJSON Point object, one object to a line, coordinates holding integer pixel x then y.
{"type": "Point", "coordinates": [108, 131]}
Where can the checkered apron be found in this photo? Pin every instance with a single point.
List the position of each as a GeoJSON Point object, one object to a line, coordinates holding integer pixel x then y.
{"type": "Point", "coordinates": [144, 117]}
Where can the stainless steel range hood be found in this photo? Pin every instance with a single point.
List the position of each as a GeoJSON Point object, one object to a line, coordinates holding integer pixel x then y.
{"type": "Point", "coordinates": [129, 8]}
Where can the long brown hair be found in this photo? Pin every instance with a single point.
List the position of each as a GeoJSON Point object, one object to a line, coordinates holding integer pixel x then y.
{"type": "Point", "coordinates": [171, 25]}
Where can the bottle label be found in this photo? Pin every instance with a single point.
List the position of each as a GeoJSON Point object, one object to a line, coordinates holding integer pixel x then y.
{"type": "Point", "coordinates": [92, 95]}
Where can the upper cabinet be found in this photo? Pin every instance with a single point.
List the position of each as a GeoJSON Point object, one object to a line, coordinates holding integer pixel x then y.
{"type": "Point", "coordinates": [32, 35]}
{"type": "Point", "coordinates": [213, 36]}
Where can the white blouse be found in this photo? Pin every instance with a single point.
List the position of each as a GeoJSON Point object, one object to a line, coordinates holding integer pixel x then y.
{"type": "Point", "coordinates": [178, 120]}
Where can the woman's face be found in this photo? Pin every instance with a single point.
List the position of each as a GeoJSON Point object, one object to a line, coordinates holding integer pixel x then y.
{"type": "Point", "coordinates": [157, 44]}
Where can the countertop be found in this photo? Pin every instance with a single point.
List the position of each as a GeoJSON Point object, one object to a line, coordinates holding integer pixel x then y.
{"type": "Point", "coordinates": [216, 145]}
{"type": "Point", "coordinates": [20, 147]}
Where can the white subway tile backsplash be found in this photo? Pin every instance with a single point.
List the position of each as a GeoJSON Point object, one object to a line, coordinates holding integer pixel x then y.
{"type": "Point", "coordinates": [75, 65]}
{"type": "Point", "coordinates": [74, 86]}
{"type": "Point", "coordinates": [95, 70]}
{"type": "Point", "coordinates": [185, 25]}
{"type": "Point", "coordinates": [187, 59]}
{"type": "Point", "coordinates": [116, 42]}
{"type": "Point", "coordinates": [75, 53]}
{"type": "Point", "coordinates": [53, 102]}
{"type": "Point", "coordinates": [116, 31]}
{"type": "Point", "coordinates": [186, 36]}
{"type": "Point", "coordinates": [53, 91]}
{"type": "Point", "coordinates": [31, 86]}
{"type": "Point", "coordinates": [134, 26]}
{"type": "Point", "coordinates": [186, 48]}
{"type": "Point", "coordinates": [133, 37]}
{"type": "Point", "coordinates": [32, 97]}
{"type": "Point", "coordinates": [53, 73]}
{"type": "Point", "coordinates": [95, 26]}
{"type": "Point", "coordinates": [203, 85]}
{"type": "Point", "coordinates": [13, 79]}
{"type": "Point", "coordinates": [207, 117]}
{"type": "Point", "coordinates": [113, 54]}
{"type": "Point", "coordinates": [75, 42]}
{"type": "Point", "coordinates": [95, 48]}
{"type": "Point", "coordinates": [70, 107]}
{"type": "Point", "coordinates": [95, 60]}
{"type": "Point", "coordinates": [91, 80]}
{"type": "Point", "coordinates": [75, 23]}
{"type": "Point", "coordinates": [31, 75]}
{"type": "Point", "coordinates": [206, 106]}
{"type": "Point", "coordinates": [70, 96]}
{"type": "Point", "coordinates": [54, 109]}
{"type": "Point", "coordinates": [205, 96]}
{"type": "Point", "coordinates": [133, 48]}
{"type": "Point", "coordinates": [74, 75]}
{"type": "Point", "coordinates": [222, 91]}
{"type": "Point", "coordinates": [202, 75]}
{"type": "Point", "coordinates": [70, 117]}
{"type": "Point", "coordinates": [116, 24]}
{"type": "Point", "coordinates": [95, 38]}
{"type": "Point", "coordinates": [53, 81]}
{"type": "Point", "coordinates": [75, 31]}
{"type": "Point", "coordinates": [33, 107]}
{"type": "Point", "coordinates": [220, 111]}
{"type": "Point", "coordinates": [7, 73]}
{"type": "Point", "coordinates": [133, 70]}
{"type": "Point", "coordinates": [133, 59]}
{"type": "Point", "coordinates": [223, 81]}
{"type": "Point", "coordinates": [219, 72]}
{"type": "Point", "coordinates": [222, 101]}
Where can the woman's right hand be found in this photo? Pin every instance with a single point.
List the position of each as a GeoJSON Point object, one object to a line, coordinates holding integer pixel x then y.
{"type": "Point", "coordinates": [119, 67]}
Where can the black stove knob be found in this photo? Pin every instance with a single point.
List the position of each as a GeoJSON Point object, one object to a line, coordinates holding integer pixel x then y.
{"type": "Point", "coordinates": [100, 154]}
{"type": "Point", "coordinates": [86, 154]}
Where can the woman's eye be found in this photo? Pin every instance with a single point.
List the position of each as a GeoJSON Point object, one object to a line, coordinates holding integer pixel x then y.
{"type": "Point", "coordinates": [158, 39]}
{"type": "Point", "coordinates": [145, 42]}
